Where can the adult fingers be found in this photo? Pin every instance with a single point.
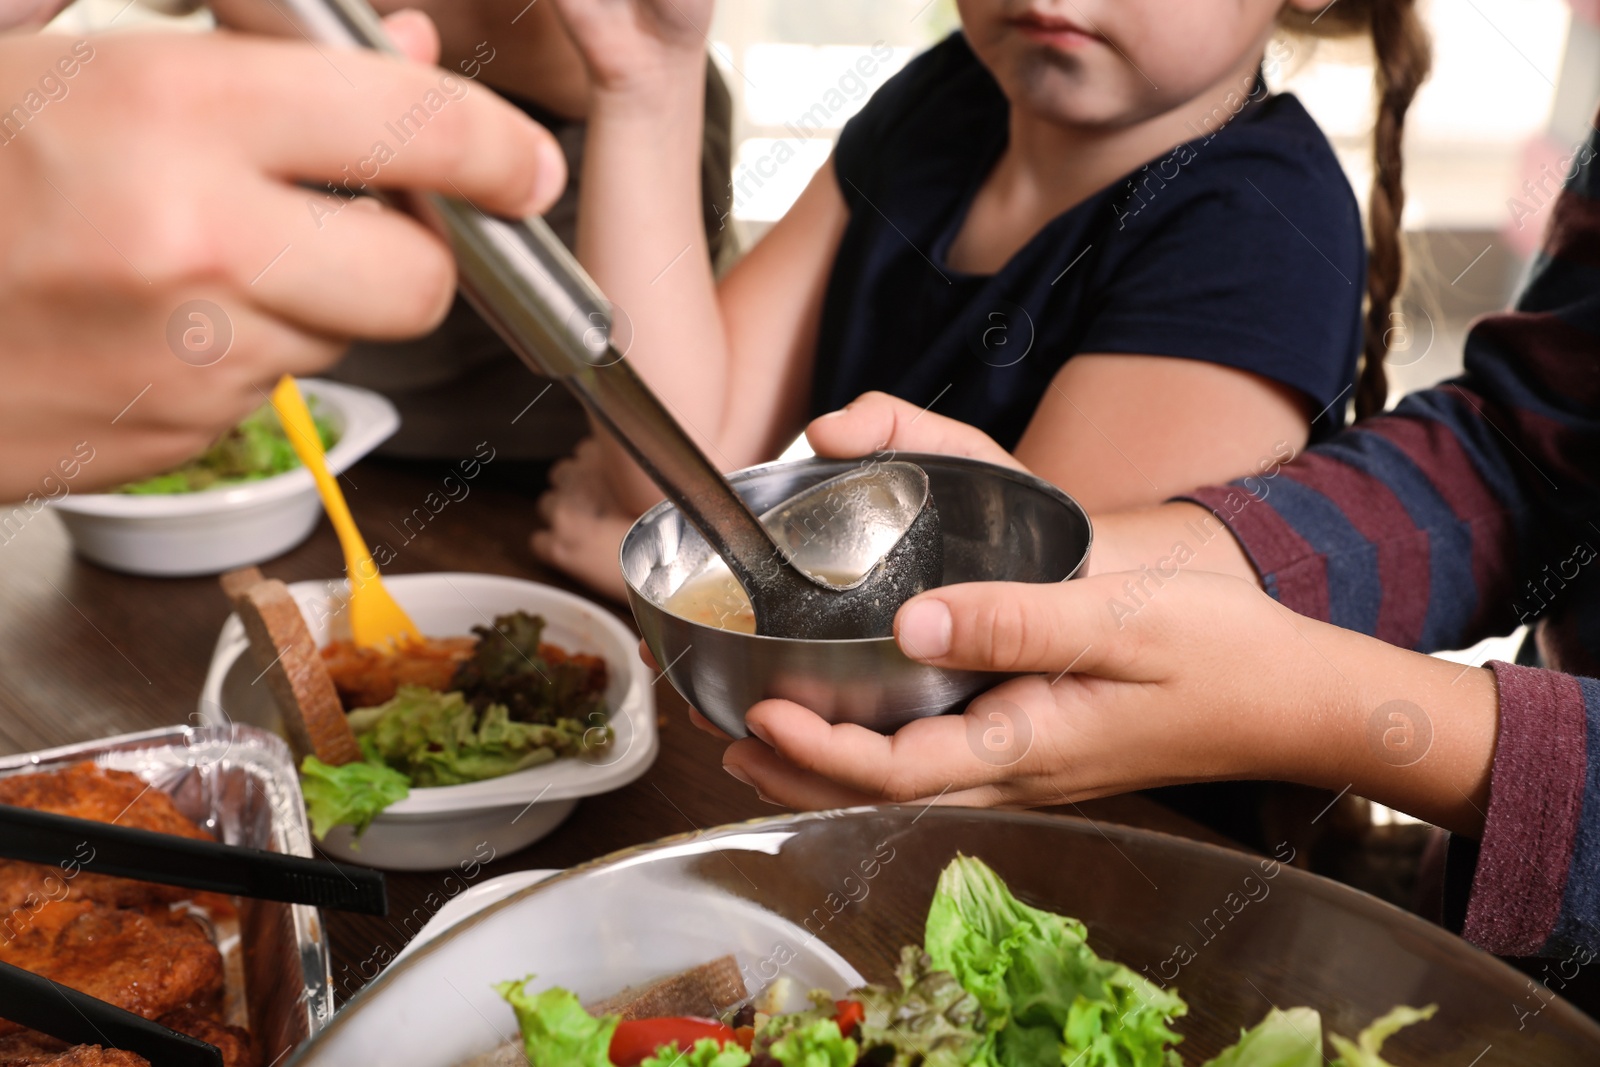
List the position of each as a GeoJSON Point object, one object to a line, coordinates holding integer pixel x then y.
{"type": "Point", "coordinates": [414, 33]}
{"type": "Point", "coordinates": [874, 422]}
{"type": "Point", "coordinates": [386, 123]}
{"type": "Point", "coordinates": [16, 13]}
{"type": "Point", "coordinates": [1088, 625]}
{"type": "Point", "coordinates": [344, 268]}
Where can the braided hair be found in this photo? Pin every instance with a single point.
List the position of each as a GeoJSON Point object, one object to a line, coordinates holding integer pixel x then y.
{"type": "Point", "coordinates": [1403, 56]}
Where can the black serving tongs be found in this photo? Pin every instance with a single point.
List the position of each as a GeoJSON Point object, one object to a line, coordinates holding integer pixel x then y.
{"type": "Point", "coordinates": [65, 1014]}
{"type": "Point", "coordinates": [41, 837]}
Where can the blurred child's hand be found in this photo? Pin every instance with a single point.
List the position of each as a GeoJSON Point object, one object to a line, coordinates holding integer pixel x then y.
{"type": "Point", "coordinates": [878, 422]}
{"type": "Point", "coordinates": [163, 266]}
{"type": "Point", "coordinates": [629, 45]}
{"type": "Point", "coordinates": [1200, 677]}
{"type": "Point", "coordinates": [584, 523]}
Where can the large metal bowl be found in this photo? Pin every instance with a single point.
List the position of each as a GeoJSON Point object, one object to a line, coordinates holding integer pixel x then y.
{"type": "Point", "coordinates": [822, 898]}
{"type": "Point", "coordinates": [998, 525]}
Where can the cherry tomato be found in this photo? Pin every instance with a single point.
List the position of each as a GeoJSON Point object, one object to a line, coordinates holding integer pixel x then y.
{"type": "Point", "coordinates": [745, 1035]}
{"type": "Point", "coordinates": [850, 1015]}
{"type": "Point", "coordinates": [636, 1040]}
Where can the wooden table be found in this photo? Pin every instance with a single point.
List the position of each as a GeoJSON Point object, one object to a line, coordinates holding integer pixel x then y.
{"type": "Point", "coordinates": [86, 653]}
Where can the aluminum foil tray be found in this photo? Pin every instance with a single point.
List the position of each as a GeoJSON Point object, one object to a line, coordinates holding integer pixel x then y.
{"type": "Point", "coordinates": [238, 782]}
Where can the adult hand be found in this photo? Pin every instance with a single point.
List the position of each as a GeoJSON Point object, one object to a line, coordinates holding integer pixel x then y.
{"type": "Point", "coordinates": [1199, 677]}
{"type": "Point", "coordinates": [15, 13]}
{"type": "Point", "coordinates": [142, 174]}
{"type": "Point", "coordinates": [584, 524]}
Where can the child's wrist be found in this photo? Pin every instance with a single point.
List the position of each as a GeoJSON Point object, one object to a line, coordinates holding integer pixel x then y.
{"type": "Point", "coordinates": [676, 82]}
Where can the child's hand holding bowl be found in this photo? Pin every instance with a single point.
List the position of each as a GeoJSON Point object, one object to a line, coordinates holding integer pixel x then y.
{"type": "Point", "coordinates": [1142, 681]}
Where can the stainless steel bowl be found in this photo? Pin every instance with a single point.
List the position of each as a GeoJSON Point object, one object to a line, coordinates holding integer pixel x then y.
{"type": "Point", "coordinates": [998, 525]}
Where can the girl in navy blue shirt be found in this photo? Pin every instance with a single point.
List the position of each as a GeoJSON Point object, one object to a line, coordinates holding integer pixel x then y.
{"type": "Point", "coordinates": [1084, 228]}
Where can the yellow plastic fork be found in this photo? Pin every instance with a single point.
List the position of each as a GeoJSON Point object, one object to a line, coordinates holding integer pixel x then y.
{"type": "Point", "coordinates": [376, 621]}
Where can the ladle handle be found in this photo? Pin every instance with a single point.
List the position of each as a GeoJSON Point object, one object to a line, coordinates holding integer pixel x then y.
{"type": "Point", "coordinates": [525, 283]}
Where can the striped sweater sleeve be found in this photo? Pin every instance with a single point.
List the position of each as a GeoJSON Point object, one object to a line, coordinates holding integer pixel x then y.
{"type": "Point", "coordinates": [1472, 507]}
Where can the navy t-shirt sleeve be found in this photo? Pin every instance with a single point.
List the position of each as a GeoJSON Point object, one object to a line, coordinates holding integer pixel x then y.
{"type": "Point", "coordinates": [1254, 263]}
{"type": "Point", "coordinates": [859, 150]}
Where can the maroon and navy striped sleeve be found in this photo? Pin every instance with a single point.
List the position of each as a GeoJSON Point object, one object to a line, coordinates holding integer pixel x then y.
{"type": "Point", "coordinates": [1535, 887]}
{"type": "Point", "coordinates": [1472, 507]}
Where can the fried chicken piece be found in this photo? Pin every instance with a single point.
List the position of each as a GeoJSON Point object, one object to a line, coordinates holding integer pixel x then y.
{"type": "Point", "coordinates": [238, 1048]}
{"type": "Point", "coordinates": [86, 791]}
{"type": "Point", "coordinates": [367, 677]}
{"type": "Point", "coordinates": [30, 1049]}
{"type": "Point", "coordinates": [27, 1047]}
{"type": "Point", "coordinates": [95, 1056]}
{"type": "Point", "coordinates": [148, 962]}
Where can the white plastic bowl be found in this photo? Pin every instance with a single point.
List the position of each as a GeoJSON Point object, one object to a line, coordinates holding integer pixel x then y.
{"type": "Point", "coordinates": [185, 534]}
{"type": "Point", "coordinates": [458, 825]}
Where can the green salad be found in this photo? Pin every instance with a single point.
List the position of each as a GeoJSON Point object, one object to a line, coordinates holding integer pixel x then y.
{"type": "Point", "coordinates": [256, 448]}
{"type": "Point", "coordinates": [426, 738]}
{"type": "Point", "coordinates": [515, 702]}
{"type": "Point", "coordinates": [995, 983]}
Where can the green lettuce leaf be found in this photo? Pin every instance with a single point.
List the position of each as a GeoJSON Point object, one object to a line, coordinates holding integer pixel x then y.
{"type": "Point", "coordinates": [439, 739]}
{"type": "Point", "coordinates": [557, 1032]}
{"type": "Point", "coordinates": [705, 1053]}
{"type": "Point", "coordinates": [1290, 1038]}
{"type": "Point", "coordinates": [1363, 1051]}
{"type": "Point", "coordinates": [256, 448]}
{"type": "Point", "coordinates": [822, 1009]}
{"type": "Point", "coordinates": [818, 1043]}
{"type": "Point", "coordinates": [353, 793]}
{"type": "Point", "coordinates": [929, 1020]}
{"type": "Point", "coordinates": [1047, 997]}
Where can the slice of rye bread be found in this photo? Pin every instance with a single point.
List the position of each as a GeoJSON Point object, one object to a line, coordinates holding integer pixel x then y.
{"type": "Point", "coordinates": [292, 668]}
{"type": "Point", "coordinates": [705, 991]}
{"type": "Point", "coordinates": [237, 583]}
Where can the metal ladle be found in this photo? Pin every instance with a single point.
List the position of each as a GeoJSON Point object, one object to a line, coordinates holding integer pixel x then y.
{"type": "Point", "coordinates": [875, 528]}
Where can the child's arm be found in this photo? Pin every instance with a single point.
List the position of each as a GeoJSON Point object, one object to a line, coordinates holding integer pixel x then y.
{"type": "Point", "coordinates": [733, 364]}
{"type": "Point", "coordinates": [1202, 678]}
{"type": "Point", "coordinates": [877, 423]}
{"type": "Point", "coordinates": [1126, 431]}
{"type": "Point", "coordinates": [1211, 680]}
